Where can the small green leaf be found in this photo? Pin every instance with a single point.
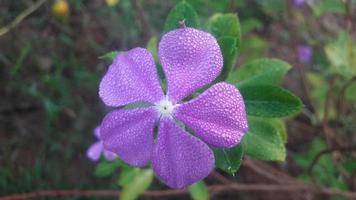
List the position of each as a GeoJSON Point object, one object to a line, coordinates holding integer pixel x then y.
{"type": "Point", "coordinates": [127, 174]}
{"type": "Point", "coordinates": [110, 56]}
{"type": "Point", "coordinates": [349, 165]}
{"type": "Point", "coordinates": [182, 11]}
{"type": "Point", "coordinates": [152, 48]}
{"type": "Point", "coordinates": [222, 25]}
{"type": "Point", "coordinates": [140, 183]}
{"type": "Point", "coordinates": [260, 71]}
{"type": "Point", "coordinates": [342, 55]}
{"type": "Point", "coordinates": [252, 47]}
{"type": "Point", "coordinates": [327, 6]}
{"type": "Point", "coordinates": [20, 60]}
{"type": "Point", "coordinates": [273, 8]}
{"type": "Point", "coordinates": [263, 142]}
{"type": "Point", "coordinates": [106, 168]}
{"type": "Point", "coordinates": [199, 191]}
{"type": "Point", "coordinates": [318, 91]}
{"type": "Point", "coordinates": [350, 93]}
{"type": "Point", "coordinates": [279, 126]}
{"type": "Point", "coordinates": [269, 101]}
{"type": "Point", "coordinates": [229, 160]}
{"type": "Point", "coordinates": [228, 48]}
{"type": "Point", "coordinates": [250, 24]}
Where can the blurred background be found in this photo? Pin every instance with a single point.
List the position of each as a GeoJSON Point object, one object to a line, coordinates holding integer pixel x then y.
{"type": "Point", "coordinates": [50, 70]}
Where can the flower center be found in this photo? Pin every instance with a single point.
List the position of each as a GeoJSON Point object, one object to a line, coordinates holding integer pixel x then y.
{"type": "Point", "coordinates": [165, 108]}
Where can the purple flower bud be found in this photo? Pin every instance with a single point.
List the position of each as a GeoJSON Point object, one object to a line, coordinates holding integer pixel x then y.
{"type": "Point", "coordinates": [95, 150]}
{"type": "Point", "coordinates": [298, 3]}
{"type": "Point", "coordinates": [305, 54]}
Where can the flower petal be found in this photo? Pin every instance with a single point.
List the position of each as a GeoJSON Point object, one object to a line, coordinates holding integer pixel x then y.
{"type": "Point", "coordinates": [109, 155]}
{"type": "Point", "coordinates": [217, 116]}
{"type": "Point", "coordinates": [94, 151]}
{"type": "Point", "coordinates": [132, 77]}
{"type": "Point", "coordinates": [97, 132]}
{"type": "Point", "coordinates": [180, 159]}
{"type": "Point", "coordinates": [129, 134]}
{"type": "Point", "coordinates": [190, 59]}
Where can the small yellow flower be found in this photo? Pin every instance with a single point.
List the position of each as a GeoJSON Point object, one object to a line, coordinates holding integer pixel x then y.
{"type": "Point", "coordinates": [60, 8]}
{"type": "Point", "coordinates": [112, 3]}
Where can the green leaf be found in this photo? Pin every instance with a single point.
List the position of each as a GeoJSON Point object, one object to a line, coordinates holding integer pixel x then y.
{"type": "Point", "coordinates": [342, 55]}
{"type": "Point", "coordinates": [110, 56]}
{"type": "Point", "coordinates": [222, 25]}
{"type": "Point", "coordinates": [327, 6]}
{"type": "Point", "coordinates": [279, 126]}
{"type": "Point", "coordinates": [269, 101]}
{"type": "Point", "coordinates": [127, 174]}
{"type": "Point", "coordinates": [252, 47]}
{"type": "Point", "coordinates": [106, 168]}
{"type": "Point", "coordinates": [228, 48]}
{"type": "Point", "coordinates": [350, 93]}
{"type": "Point", "coordinates": [318, 91]}
{"type": "Point", "coordinates": [349, 165]}
{"type": "Point", "coordinates": [20, 60]}
{"type": "Point", "coordinates": [260, 71]}
{"type": "Point", "coordinates": [182, 11]}
{"type": "Point", "coordinates": [263, 142]}
{"type": "Point", "coordinates": [229, 160]}
{"type": "Point", "coordinates": [199, 191]}
{"type": "Point", "coordinates": [140, 183]}
{"type": "Point", "coordinates": [273, 8]}
{"type": "Point", "coordinates": [251, 24]}
{"type": "Point", "coordinates": [152, 48]}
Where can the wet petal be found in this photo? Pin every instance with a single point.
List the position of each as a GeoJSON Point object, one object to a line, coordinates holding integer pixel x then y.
{"type": "Point", "coordinates": [190, 59]}
{"type": "Point", "coordinates": [97, 132]}
{"type": "Point", "coordinates": [132, 77]}
{"type": "Point", "coordinates": [180, 159]}
{"type": "Point", "coordinates": [217, 116]}
{"type": "Point", "coordinates": [109, 155]}
{"type": "Point", "coordinates": [94, 151]}
{"type": "Point", "coordinates": [129, 134]}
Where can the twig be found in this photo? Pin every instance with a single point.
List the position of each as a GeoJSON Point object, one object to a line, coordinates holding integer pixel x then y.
{"type": "Point", "coordinates": [280, 177]}
{"type": "Point", "coordinates": [341, 95]}
{"type": "Point", "coordinates": [214, 189]}
{"type": "Point", "coordinates": [271, 173]}
{"type": "Point", "coordinates": [220, 178]}
{"type": "Point", "coordinates": [291, 185]}
{"type": "Point", "coordinates": [295, 42]}
{"type": "Point", "coordinates": [21, 109]}
{"type": "Point", "coordinates": [21, 17]}
{"type": "Point", "coordinates": [328, 133]}
{"type": "Point", "coordinates": [348, 15]}
{"type": "Point", "coordinates": [327, 130]}
{"type": "Point", "coordinates": [282, 188]}
{"type": "Point", "coordinates": [267, 171]}
{"type": "Point", "coordinates": [232, 7]}
{"type": "Point", "coordinates": [326, 151]}
{"type": "Point", "coordinates": [142, 19]}
{"type": "Point", "coordinates": [87, 193]}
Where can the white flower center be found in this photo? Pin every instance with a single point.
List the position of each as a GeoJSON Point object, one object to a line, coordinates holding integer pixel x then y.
{"type": "Point", "coordinates": [165, 108]}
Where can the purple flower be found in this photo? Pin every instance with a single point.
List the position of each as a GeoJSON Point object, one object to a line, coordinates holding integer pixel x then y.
{"type": "Point", "coordinates": [190, 59]}
{"type": "Point", "coordinates": [305, 53]}
{"type": "Point", "coordinates": [298, 2]}
{"type": "Point", "coordinates": [95, 150]}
